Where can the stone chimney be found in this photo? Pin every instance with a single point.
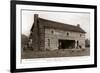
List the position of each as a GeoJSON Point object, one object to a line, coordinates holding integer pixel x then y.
{"type": "Point", "coordinates": [35, 18]}
{"type": "Point", "coordinates": [35, 34]}
{"type": "Point", "coordinates": [78, 25]}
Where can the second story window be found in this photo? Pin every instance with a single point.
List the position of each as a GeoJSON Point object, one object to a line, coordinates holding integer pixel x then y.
{"type": "Point", "coordinates": [67, 34]}
{"type": "Point", "coordinates": [52, 32]}
{"type": "Point", "coordinates": [80, 35]}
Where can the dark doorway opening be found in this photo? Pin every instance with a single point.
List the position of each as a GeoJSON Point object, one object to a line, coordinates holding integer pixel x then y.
{"type": "Point", "coordinates": [66, 44]}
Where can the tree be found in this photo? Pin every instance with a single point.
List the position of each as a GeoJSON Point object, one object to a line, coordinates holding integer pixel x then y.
{"type": "Point", "coordinates": [87, 43]}
{"type": "Point", "coordinates": [24, 41]}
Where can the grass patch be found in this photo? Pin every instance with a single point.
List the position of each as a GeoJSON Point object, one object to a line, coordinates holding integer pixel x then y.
{"type": "Point", "coordinates": [55, 53]}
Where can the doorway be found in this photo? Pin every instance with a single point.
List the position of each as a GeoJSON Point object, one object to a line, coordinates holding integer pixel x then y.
{"type": "Point", "coordinates": [66, 44]}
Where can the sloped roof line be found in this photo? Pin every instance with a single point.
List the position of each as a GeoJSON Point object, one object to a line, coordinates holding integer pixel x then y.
{"type": "Point", "coordinates": [62, 26]}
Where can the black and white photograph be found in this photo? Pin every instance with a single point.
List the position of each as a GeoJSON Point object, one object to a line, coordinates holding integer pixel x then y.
{"type": "Point", "coordinates": [51, 36]}
{"type": "Point", "coordinates": [55, 34]}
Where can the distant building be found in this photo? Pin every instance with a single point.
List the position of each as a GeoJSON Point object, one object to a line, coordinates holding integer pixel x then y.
{"type": "Point", "coordinates": [47, 34]}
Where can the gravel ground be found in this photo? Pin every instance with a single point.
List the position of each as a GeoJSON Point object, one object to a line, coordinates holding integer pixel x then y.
{"type": "Point", "coordinates": [55, 53]}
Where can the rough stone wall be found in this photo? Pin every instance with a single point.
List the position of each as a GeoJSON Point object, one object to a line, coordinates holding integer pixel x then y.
{"type": "Point", "coordinates": [38, 39]}
{"type": "Point", "coordinates": [35, 34]}
{"type": "Point", "coordinates": [41, 36]}
{"type": "Point", "coordinates": [60, 34]}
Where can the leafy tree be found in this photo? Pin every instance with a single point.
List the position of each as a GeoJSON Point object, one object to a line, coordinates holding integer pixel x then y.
{"type": "Point", "coordinates": [87, 43]}
{"type": "Point", "coordinates": [24, 41]}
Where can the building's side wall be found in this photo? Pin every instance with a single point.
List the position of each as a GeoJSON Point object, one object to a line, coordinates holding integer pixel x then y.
{"type": "Point", "coordinates": [60, 34]}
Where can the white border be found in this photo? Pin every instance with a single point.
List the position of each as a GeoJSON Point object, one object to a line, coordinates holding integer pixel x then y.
{"type": "Point", "coordinates": [50, 62]}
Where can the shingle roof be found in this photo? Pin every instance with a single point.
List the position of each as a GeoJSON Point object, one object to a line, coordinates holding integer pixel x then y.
{"type": "Point", "coordinates": [62, 26]}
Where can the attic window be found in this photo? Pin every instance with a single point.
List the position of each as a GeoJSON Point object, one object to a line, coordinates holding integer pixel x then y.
{"type": "Point", "coordinates": [67, 34]}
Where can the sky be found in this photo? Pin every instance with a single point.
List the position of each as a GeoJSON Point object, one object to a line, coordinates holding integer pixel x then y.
{"type": "Point", "coordinates": [71, 18]}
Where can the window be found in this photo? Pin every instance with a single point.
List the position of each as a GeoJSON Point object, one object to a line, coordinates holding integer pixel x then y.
{"type": "Point", "coordinates": [49, 42]}
{"type": "Point", "coordinates": [52, 31]}
{"type": "Point", "coordinates": [80, 35]}
{"type": "Point", "coordinates": [67, 34]}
